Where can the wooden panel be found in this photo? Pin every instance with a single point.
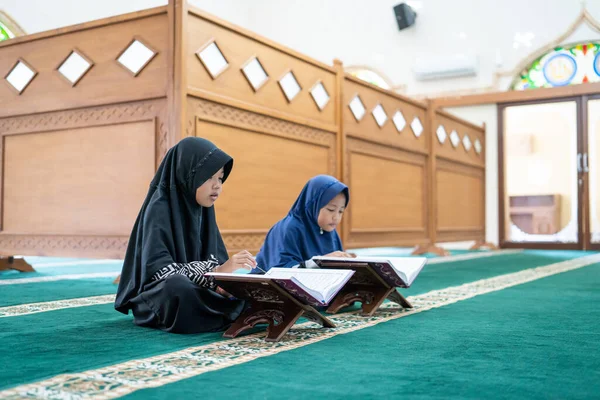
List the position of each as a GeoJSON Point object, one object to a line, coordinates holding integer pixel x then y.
{"type": "Point", "coordinates": [396, 204]}
{"type": "Point", "coordinates": [86, 181]}
{"type": "Point", "coordinates": [269, 173]}
{"type": "Point", "coordinates": [460, 202]}
{"type": "Point", "coordinates": [388, 196]}
{"type": "Point", "coordinates": [106, 82]}
{"type": "Point", "coordinates": [233, 88]}
{"type": "Point", "coordinates": [64, 245]}
{"type": "Point", "coordinates": [447, 150]}
{"type": "Point", "coordinates": [367, 127]}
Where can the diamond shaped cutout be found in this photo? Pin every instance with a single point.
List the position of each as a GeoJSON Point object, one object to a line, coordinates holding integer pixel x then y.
{"type": "Point", "coordinates": [467, 143]}
{"type": "Point", "coordinates": [441, 134]}
{"type": "Point", "coordinates": [454, 138]}
{"type": "Point", "coordinates": [416, 126]}
{"type": "Point", "coordinates": [478, 146]}
{"type": "Point", "coordinates": [213, 59]}
{"type": "Point", "coordinates": [20, 76]}
{"type": "Point", "coordinates": [320, 95]}
{"type": "Point", "coordinates": [357, 107]}
{"type": "Point", "coordinates": [290, 86]}
{"type": "Point", "coordinates": [136, 56]}
{"type": "Point", "coordinates": [255, 73]}
{"type": "Point", "coordinates": [75, 66]}
{"type": "Point", "coordinates": [379, 115]}
{"type": "Point", "coordinates": [399, 121]}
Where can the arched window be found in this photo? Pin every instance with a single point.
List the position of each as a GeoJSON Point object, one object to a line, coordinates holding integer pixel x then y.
{"type": "Point", "coordinates": [8, 27]}
{"type": "Point", "coordinates": [564, 65]}
{"type": "Point", "coordinates": [5, 33]}
{"type": "Point", "coordinates": [370, 76]}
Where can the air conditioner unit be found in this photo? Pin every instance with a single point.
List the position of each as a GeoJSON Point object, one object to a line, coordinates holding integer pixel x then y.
{"type": "Point", "coordinates": [443, 67]}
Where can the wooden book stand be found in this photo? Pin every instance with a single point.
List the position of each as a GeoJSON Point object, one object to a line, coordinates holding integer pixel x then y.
{"type": "Point", "coordinates": [269, 304]}
{"type": "Point", "coordinates": [18, 264]}
{"type": "Point", "coordinates": [367, 287]}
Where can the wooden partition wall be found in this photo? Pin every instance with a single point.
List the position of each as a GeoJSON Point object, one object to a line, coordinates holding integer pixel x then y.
{"type": "Point", "coordinates": [385, 164]}
{"type": "Point", "coordinates": [277, 144]}
{"type": "Point", "coordinates": [458, 185]}
{"type": "Point", "coordinates": [77, 157]}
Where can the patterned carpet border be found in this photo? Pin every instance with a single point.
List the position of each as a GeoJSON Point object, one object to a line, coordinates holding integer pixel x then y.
{"type": "Point", "coordinates": [34, 308]}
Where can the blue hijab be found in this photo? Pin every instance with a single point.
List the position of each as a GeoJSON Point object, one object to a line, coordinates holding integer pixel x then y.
{"type": "Point", "coordinates": [297, 237]}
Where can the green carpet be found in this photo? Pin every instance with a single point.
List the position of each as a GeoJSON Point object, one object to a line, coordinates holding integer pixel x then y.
{"type": "Point", "coordinates": [436, 276]}
{"type": "Point", "coordinates": [48, 291]}
{"type": "Point", "coordinates": [47, 344]}
{"type": "Point", "coordinates": [523, 341]}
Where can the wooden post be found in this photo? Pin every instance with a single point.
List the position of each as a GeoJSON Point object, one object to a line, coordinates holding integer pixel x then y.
{"type": "Point", "coordinates": [482, 244]}
{"type": "Point", "coordinates": [432, 179]}
{"type": "Point", "coordinates": [341, 138]}
{"type": "Point", "coordinates": [177, 82]}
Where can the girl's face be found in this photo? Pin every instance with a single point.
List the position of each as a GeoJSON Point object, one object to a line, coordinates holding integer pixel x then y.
{"type": "Point", "coordinates": [331, 215]}
{"type": "Point", "coordinates": [209, 191]}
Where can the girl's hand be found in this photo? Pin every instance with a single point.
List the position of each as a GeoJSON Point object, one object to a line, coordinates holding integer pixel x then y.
{"type": "Point", "coordinates": [340, 254]}
{"type": "Point", "coordinates": [223, 292]}
{"type": "Point", "coordinates": [243, 259]}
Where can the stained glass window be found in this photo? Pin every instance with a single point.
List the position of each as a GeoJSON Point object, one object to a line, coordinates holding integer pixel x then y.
{"type": "Point", "coordinates": [566, 65]}
{"type": "Point", "coordinates": [370, 77]}
{"type": "Point", "coordinates": [5, 33]}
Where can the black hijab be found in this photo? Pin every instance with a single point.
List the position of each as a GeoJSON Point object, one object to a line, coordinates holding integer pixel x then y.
{"type": "Point", "coordinates": [172, 226]}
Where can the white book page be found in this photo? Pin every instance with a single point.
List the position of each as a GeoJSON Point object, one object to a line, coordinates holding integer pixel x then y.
{"type": "Point", "coordinates": [407, 268]}
{"type": "Point", "coordinates": [319, 282]}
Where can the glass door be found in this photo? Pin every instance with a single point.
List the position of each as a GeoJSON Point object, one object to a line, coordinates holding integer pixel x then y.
{"type": "Point", "coordinates": [591, 168]}
{"type": "Point", "coordinates": [541, 174]}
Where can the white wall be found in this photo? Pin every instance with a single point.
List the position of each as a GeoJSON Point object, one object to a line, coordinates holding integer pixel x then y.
{"type": "Point", "coordinates": [238, 12]}
{"type": "Point", "coordinates": [487, 114]}
{"type": "Point", "coordinates": [42, 15]}
{"type": "Point", "coordinates": [364, 32]}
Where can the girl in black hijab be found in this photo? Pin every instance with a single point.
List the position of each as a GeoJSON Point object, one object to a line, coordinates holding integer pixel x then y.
{"type": "Point", "coordinates": [175, 241]}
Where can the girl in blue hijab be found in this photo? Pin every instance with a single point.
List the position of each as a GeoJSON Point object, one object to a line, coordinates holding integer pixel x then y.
{"type": "Point", "coordinates": [309, 229]}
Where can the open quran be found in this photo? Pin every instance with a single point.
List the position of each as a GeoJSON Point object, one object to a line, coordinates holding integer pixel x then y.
{"type": "Point", "coordinates": [397, 271]}
{"type": "Point", "coordinates": [375, 279]}
{"type": "Point", "coordinates": [311, 286]}
{"type": "Point", "coordinates": [281, 296]}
